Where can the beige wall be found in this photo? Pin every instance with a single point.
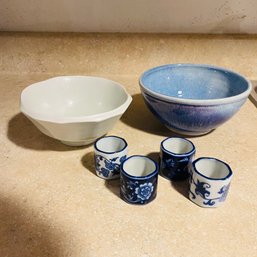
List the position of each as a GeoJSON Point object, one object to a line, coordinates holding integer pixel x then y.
{"type": "Point", "coordinates": [182, 16]}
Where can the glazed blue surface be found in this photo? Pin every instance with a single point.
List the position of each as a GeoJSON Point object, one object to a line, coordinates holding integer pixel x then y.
{"type": "Point", "coordinates": [193, 99]}
{"type": "Point", "coordinates": [108, 168]}
{"type": "Point", "coordinates": [193, 82]}
{"type": "Point", "coordinates": [175, 166]}
{"type": "Point", "coordinates": [190, 119]}
{"type": "Point", "coordinates": [138, 190]}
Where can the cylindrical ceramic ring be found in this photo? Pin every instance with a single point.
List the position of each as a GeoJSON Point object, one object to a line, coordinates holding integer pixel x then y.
{"type": "Point", "coordinates": [110, 152]}
{"type": "Point", "coordinates": [209, 182]}
{"type": "Point", "coordinates": [138, 180]}
{"type": "Point", "coordinates": [176, 155]}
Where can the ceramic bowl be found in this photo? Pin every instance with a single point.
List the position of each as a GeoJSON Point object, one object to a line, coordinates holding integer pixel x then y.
{"type": "Point", "coordinates": [193, 99]}
{"type": "Point", "coordinates": [74, 109]}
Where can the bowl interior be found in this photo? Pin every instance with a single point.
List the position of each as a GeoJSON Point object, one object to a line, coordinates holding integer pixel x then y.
{"type": "Point", "coordinates": [73, 96]}
{"type": "Point", "coordinates": [193, 82]}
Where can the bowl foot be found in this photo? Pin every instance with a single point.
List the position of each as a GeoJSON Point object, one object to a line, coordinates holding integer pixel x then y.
{"type": "Point", "coordinates": [189, 133]}
{"type": "Point", "coordinates": [78, 143]}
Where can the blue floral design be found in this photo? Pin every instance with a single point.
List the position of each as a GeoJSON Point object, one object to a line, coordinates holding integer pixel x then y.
{"type": "Point", "coordinates": [144, 191]}
{"type": "Point", "coordinates": [108, 167]}
{"type": "Point", "coordinates": [104, 172]}
{"type": "Point", "coordinates": [111, 166]}
{"type": "Point", "coordinates": [175, 168]}
{"type": "Point", "coordinates": [138, 192]}
{"type": "Point", "coordinates": [224, 192]}
{"type": "Point", "coordinates": [168, 163]}
{"type": "Point", "coordinates": [123, 158]}
{"type": "Point", "coordinates": [209, 202]}
{"type": "Point", "coordinates": [201, 190]}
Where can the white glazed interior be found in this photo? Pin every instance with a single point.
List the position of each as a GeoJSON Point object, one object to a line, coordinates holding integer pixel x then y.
{"type": "Point", "coordinates": [139, 166]}
{"type": "Point", "coordinates": [72, 98]}
{"type": "Point", "coordinates": [212, 168]}
{"type": "Point", "coordinates": [110, 144]}
{"type": "Point", "coordinates": [177, 145]}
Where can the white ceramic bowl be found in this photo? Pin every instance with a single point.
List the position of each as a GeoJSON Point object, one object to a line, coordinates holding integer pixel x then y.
{"type": "Point", "coordinates": [74, 109]}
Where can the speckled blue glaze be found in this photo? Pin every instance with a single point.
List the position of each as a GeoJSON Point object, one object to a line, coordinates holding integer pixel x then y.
{"type": "Point", "coordinates": [191, 119]}
{"type": "Point", "coordinates": [193, 99]}
{"type": "Point", "coordinates": [194, 82]}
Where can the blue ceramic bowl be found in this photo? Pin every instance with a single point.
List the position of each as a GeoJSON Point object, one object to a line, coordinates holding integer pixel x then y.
{"type": "Point", "coordinates": [193, 99]}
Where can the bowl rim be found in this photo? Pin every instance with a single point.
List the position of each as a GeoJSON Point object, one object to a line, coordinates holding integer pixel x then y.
{"type": "Point", "coordinates": [76, 119]}
{"type": "Point", "coordinates": [187, 101]}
